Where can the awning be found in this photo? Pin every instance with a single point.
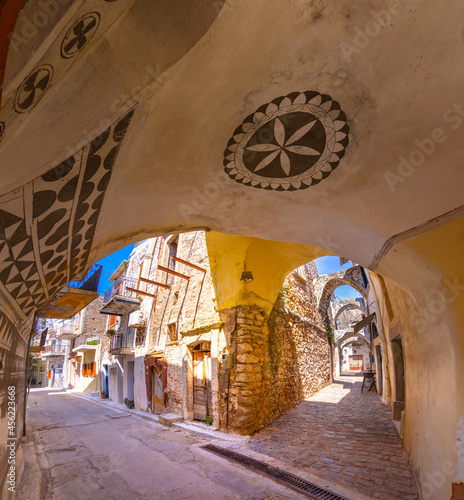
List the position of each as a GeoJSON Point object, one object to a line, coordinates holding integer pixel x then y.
{"type": "Point", "coordinates": [363, 323]}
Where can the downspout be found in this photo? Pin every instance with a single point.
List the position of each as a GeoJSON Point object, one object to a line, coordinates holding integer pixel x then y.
{"type": "Point", "coordinates": [26, 392]}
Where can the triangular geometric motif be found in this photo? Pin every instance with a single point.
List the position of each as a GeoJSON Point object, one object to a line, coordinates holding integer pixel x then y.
{"type": "Point", "coordinates": [15, 276]}
{"type": "Point", "coordinates": [5, 273]}
{"type": "Point", "coordinates": [13, 289]}
{"type": "Point", "coordinates": [4, 251]}
{"type": "Point", "coordinates": [66, 202]}
{"type": "Point", "coordinates": [18, 249]}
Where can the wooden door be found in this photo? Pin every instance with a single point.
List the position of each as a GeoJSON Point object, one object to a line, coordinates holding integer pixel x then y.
{"type": "Point", "coordinates": [158, 392]}
{"type": "Point", "coordinates": [201, 385]}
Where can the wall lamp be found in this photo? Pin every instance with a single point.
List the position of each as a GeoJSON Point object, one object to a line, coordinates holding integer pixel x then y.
{"type": "Point", "coordinates": [247, 276]}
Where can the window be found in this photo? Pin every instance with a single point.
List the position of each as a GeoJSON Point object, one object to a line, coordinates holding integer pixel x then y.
{"type": "Point", "coordinates": [172, 331]}
{"type": "Point", "coordinates": [172, 249]}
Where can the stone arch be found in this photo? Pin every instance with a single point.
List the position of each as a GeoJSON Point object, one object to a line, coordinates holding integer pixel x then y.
{"type": "Point", "coordinates": [345, 307]}
{"type": "Point", "coordinates": [326, 285]}
{"type": "Point", "coordinates": [352, 337]}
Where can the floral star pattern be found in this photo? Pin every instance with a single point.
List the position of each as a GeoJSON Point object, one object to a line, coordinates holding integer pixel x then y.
{"type": "Point", "coordinates": [291, 143]}
{"type": "Point", "coordinates": [283, 146]}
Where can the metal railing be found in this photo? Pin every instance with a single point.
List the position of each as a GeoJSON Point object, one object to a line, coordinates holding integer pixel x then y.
{"type": "Point", "coordinates": [55, 349]}
{"type": "Point", "coordinates": [91, 280]}
{"type": "Point", "coordinates": [85, 339]}
{"type": "Point", "coordinates": [66, 328]}
{"type": "Point", "coordinates": [123, 339]}
{"type": "Point", "coordinates": [119, 288]}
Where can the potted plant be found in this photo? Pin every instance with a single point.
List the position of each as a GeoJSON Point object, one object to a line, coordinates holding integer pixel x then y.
{"type": "Point", "coordinates": [103, 394]}
{"type": "Point", "coordinates": [110, 333]}
{"type": "Point", "coordinates": [129, 403]}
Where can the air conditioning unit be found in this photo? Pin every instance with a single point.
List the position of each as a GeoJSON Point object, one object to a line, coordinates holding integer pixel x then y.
{"type": "Point", "coordinates": [136, 320]}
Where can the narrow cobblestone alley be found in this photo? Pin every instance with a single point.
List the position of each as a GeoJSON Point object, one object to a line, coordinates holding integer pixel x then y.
{"type": "Point", "coordinates": [345, 436]}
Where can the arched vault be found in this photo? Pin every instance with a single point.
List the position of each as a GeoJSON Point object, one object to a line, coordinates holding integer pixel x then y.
{"type": "Point", "coordinates": [162, 117]}
{"type": "Point", "coordinates": [326, 284]}
{"type": "Point", "coordinates": [340, 309]}
{"type": "Point", "coordinates": [351, 337]}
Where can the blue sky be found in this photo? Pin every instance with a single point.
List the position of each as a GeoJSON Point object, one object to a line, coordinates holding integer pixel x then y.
{"type": "Point", "coordinates": [325, 265]}
{"type": "Point", "coordinates": [330, 264]}
{"type": "Point", "coordinates": [110, 264]}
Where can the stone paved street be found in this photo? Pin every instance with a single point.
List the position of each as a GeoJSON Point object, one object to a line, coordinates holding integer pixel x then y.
{"type": "Point", "coordinates": [345, 436]}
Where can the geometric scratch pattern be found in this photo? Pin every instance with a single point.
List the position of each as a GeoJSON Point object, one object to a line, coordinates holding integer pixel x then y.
{"type": "Point", "coordinates": [291, 143]}
{"type": "Point", "coordinates": [47, 226]}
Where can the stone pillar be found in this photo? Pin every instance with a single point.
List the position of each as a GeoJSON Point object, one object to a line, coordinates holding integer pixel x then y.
{"type": "Point", "coordinates": [246, 412]}
{"type": "Point", "coordinates": [337, 361]}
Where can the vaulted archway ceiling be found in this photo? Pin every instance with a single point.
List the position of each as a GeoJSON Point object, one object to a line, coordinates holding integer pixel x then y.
{"type": "Point", "coordinates": [346, 116]}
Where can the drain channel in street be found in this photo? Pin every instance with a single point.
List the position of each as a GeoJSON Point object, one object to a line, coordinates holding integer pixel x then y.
{"type": "Point", "coordinates": [294, 482]}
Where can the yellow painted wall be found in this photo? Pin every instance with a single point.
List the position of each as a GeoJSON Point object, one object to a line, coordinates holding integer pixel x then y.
{"type": "Point", "coordinates": [426, 289]}
{"type": "Point", "coordinates": [269, 261]}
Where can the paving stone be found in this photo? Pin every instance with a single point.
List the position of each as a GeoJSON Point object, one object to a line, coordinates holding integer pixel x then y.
{"type": "Point", "coordinates": [345, 435]}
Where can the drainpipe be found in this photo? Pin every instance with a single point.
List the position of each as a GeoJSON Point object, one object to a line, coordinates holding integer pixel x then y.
{"type": "Point", "coordinates": [34, 324]}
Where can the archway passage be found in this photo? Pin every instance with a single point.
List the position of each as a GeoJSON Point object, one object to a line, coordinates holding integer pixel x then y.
{"type": "Point", "coordinates": [381, 187]}
{"type": "Point", "coordinates": [341, 308]}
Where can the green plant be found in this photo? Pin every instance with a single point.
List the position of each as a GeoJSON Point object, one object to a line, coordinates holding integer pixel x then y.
{"type": "Point", "coordinates": [93, 342]}
{"type": "Point", "coordinates": [129, 403]}
{"type": "Point", "coordinates": [110, 333]}
{"type": "Point", "coordinates": [208, 420]}
{"type": "Point", "coordinates": [283, 296]}
{"type": "Point", "coordinates": [330, 333]}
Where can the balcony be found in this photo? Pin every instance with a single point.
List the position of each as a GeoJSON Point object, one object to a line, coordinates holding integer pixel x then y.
{"type": "Point", "coordinates": [123, 342]}
{"type": "Point", "coordinates": [66, 331]}
{"type": "Point", "coordinates": [86, 343]}
{"type": "Point", "coordinates": [74, 297]}
{"type": "Point", "coordinates": [54, 350]}
{"type": "Point", "coordinates": [119, 300]}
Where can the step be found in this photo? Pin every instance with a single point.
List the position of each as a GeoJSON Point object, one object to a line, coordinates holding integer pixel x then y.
{"type": "Point", "coordinates": [169, 418]}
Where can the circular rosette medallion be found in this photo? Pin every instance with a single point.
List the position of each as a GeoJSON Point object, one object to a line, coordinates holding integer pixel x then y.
{"type": "Point", "coordinates": [80, 34]}
{"type": "Point", "coordinates": [33, 88]}
{"type": "Point", "coordinates": [291, 143]}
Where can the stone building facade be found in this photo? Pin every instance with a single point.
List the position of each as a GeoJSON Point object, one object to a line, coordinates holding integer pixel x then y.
{"type": "Point", "coordinates": [180, 356]}
{"type": "Point", "coordinates": [254, 365]}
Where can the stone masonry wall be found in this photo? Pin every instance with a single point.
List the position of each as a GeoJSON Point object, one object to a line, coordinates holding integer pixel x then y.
{"type": "Point", "coordinates": [94, 321]}
{"type": "Point", "coordinates": [277, 359]}
{"type": "Point", "coordinates": [190, 306]}
{"type": "Point", "coordinates": [281, 359]}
